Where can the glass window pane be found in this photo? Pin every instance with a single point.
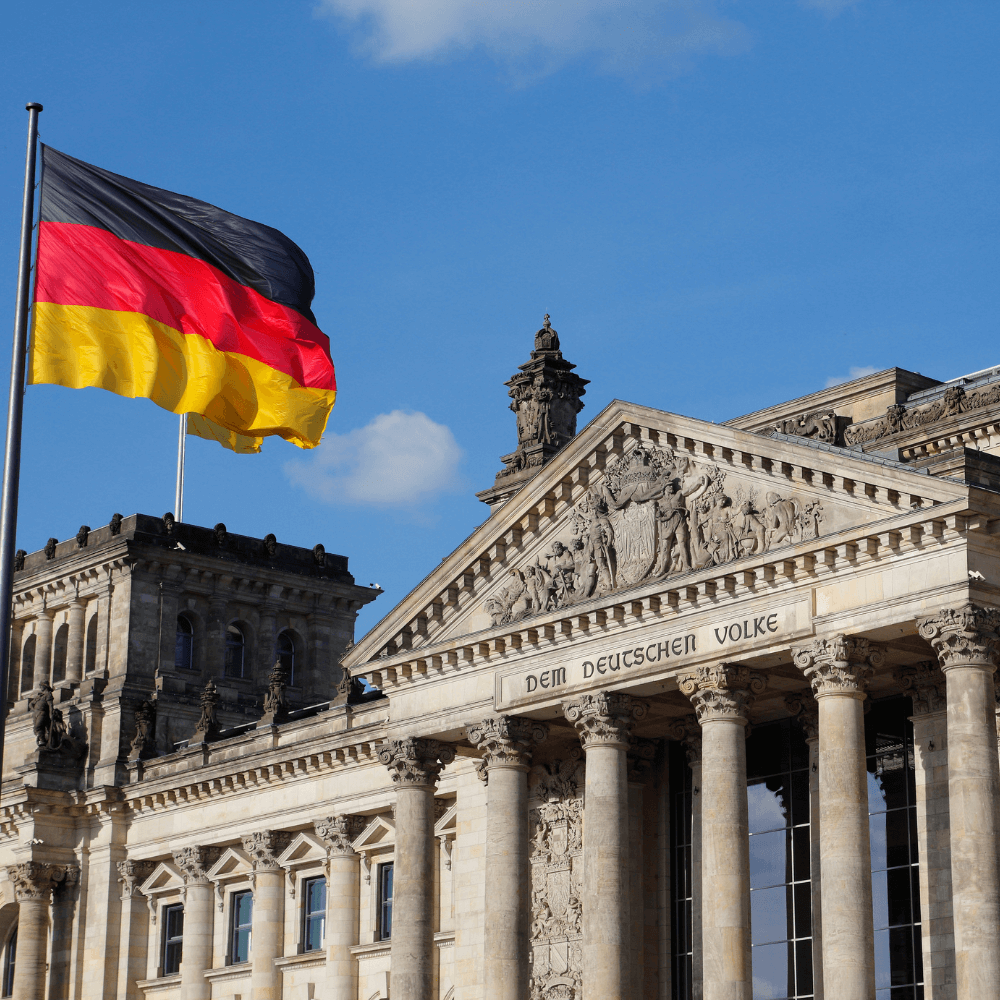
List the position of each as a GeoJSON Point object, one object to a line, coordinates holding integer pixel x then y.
{"type": "Point", "coordinates": [880, 900]}
{"type": "Point", "coordinates": [898, 886]}
{"type": "Point", "coordinates": [764, 809]}
{"type": "Point", "coordinates": [901, 956]}
{"type": "Point", "coordinates": [801, 851]}
{"type": "Point", "coordinates": [804, 968]}
{"type": "Point", "coordinates": [876, 801]}
{"type": "Point", "coordinates": [876, 836]}
{"type": "Point", "coordinates": [800, 797]}
{"type": "Point", "coordinates": [883, 977]}
{"type": "Point", "coordinates": [768, 859]}
{"type": "Point", "coordinates": [770, 972]}
{"type": "Point", "coordinates": [897, 838]}
{"type": "Point", "coordinates": [768, 915]}
{"type": "Point", "coordinates": [803, 909]}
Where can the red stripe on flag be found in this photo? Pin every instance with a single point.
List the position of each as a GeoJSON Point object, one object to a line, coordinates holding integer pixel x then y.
{"type": "Point", "coordinates": [85, 266]}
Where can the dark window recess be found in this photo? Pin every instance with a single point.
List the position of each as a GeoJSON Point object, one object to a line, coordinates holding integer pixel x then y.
{"type": "Point", "coordinates": [385, 901]}
{"type": "Point", "coordinates": [286, 653]}
{"type": "Point", "coordinates": [892, 825]}
{"type": "Point", "coordinates": [780, 848]}
{"type": "Point", "coordinates": [60, 647]}
{"type": "Point", "coordinates": [235, 652]}
{"type": "Point", "coordinates": [28, 664]}
{"type": "Point", "coordinates": [92, 644]}
{"type": "Point", "coordinates": [314, 914]}
{"type": "Point", "coordinates": [240, 920]}
{"type": "Point", "coordinates": [681, 891]}
{"type": "Point", "coordinates": [173, 938]}
{"type": "Point", "coordinates": [10, 956]}
{"type": "Point", "coordinates": [184, 647]}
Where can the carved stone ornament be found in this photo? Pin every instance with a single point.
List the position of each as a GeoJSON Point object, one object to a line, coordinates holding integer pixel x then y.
{"type": "Point", "coordinates": [143, 744]}
{"type": "Point", "coordinates": [116, 524]}
{"type": "Point", "coordinates": [415, 762]}
{"type": "Point", "coordinates": [270, 546]}
{"type": "Point", "coordinates": [275, 701]}
{"type": "Point", "coordinates": [604, 718]}
{"type": "Point", "coordinates": [50, 548]}
{"type": "Point", "coordinates": [82, 536]}
{"type": "Point", "coordinates": [805, 711]}
{"type": "Point", "coordinates": [925, 684]}
{"type": "Point", "coordinates": [49, 726]}
{"type": "Point", "coordinates": [194, 863]}
{"type": "Point", "coordinates": [264, 847]}
{"type": "Point", "coordinates": [966, 636]}
{"type": "Point", "coordinates": [839, 665]}
{"type": "Point", "coordinates": [687, 732]}
{"type": "Point", "coordinates": [319, 555]}
{"type": "Point", "coordinates": [208, 724]}
{"type": "Point", "coordinates": [35, 880]}
{"type": "Point", "coordinates": [507, 741]}
{"type": "Point", "coordinates": [338, 833]}
{"type": "Point", "coordinates": [722, 691]}
{"type": "Point", "coordinates": [654, 514]}
{"type": "Point", "coordinates": [639, 757]}
{"type": "Point", "coordinates": [19, 557]}
{"type": "Point", "coordinates": [820, 426]}
{"type": "Point", "coordinates": [132, 874]}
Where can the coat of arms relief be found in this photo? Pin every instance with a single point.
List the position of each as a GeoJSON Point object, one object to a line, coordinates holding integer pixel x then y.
{"type": "Point", "coordinates": [653, 514]}
{"type": "Point", "coordinates": [556, 818]}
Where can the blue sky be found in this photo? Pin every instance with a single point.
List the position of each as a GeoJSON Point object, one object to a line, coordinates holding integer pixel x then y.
{"type": "Point", "coordinates": [722, 205]}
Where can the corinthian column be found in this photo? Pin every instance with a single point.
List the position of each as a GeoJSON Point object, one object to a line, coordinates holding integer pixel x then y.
{"type": "Point", "coordinates": [134, 931]}
{"type": "Point", "coordinates": [507, 743]}
{"type": "Point", "coordinates": [267, 921]}
{"type": "Point", "coordinates": [839, 670]}
{"type": "Point", "coordinates": [196, 955]}
{"type": "Point", "coordinates": [33, 884]}
{"type": "Point", "coordinates": [415, 765]}
{"type": "Point", "coordinates": [721, 695]}
{"type": "Point", "coordinates": [604, 722]}
{"type": "Point", "coordinates": [966, 643]}
{"type": "Point", "coordinates": [343, 902]}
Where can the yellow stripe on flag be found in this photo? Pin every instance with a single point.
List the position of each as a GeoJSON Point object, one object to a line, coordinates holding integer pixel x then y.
{"type": "Point", "coordinates": [240, 443]}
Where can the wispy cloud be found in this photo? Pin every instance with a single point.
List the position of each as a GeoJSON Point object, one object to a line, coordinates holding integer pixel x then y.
{"type": "Point", "coordinates": [534, 37]}
{"type": "Point", "coordinates": [854, 372]}
{"type": "Point", "coordinates": [398, 460]}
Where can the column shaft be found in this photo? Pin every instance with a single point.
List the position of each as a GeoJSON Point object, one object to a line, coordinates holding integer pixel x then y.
{"type": "Point", "coordinates": [196, 954]}
{"type": "Point", "coordinates": [74, 646]}
{"type": "Point", "coordinates": [43, 649]}
{"type": "Point", "coordinates": [32, 941]}
{"type": "Point", "coordinates": [266, 940]}
{"type": "Point", "coordinates": [343, 893]}
{"type": "Point", "coordinates": [413, 884]}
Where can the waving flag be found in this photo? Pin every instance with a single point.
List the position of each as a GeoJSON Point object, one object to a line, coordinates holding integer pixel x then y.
{"type": "Point", "coordinates": [148, 293]}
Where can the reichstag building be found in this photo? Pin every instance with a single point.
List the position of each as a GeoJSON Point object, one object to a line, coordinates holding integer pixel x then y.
{"type": "Point", "coordinates": [700, 712]}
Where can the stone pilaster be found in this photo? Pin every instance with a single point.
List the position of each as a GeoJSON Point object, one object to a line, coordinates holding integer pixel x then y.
{"type": "Point", "coordinates": [415, 765]}
{"type": "Point", "coordinates": [722, 695]}
{"type": "Point", "coordinates": [33, 883]}
{"type": "Point", "coordinates": [266, 938]}
{"type": "Point", "coordinates": [839, 669]}
{"type": "Point", "coordinates": [199, 913]}
{"type": "Point", "coordinates": [343, 895]}
{"type": "Point", "coordinates": [134, 932]}
{"type": "Point", "coordinates": [967, 644]}
{"type": "Point", "coordinates": [507, 743]}
{"type": "Point", "coordinates": [604, 723]}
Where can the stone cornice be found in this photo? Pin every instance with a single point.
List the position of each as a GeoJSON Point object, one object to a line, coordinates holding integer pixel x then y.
{"type": "Point", "coordinates": [605, 718]}
{"type": "Point", "coordinates": [507, 741]}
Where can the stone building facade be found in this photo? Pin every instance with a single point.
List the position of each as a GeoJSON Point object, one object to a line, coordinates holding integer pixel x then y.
{"type": "Point", "coordinates": [700, 711]}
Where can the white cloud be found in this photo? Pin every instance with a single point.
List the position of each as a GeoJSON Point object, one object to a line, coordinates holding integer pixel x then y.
{"type": "Point", "coordinates": [399, 459]}
{"type": "Point", "coordinates": [855, 372]}
{"type": "Point", "coordinates": [533, 37]}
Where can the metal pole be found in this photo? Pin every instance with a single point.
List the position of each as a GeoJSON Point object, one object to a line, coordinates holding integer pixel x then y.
{"type": "Point", "coordinates": [179, 495]}
{"type": "Point", "coordinates": [12, 450]}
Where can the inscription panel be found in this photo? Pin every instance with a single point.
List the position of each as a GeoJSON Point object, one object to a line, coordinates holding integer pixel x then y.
{"type": "Point", "coordinates": [662, 648]}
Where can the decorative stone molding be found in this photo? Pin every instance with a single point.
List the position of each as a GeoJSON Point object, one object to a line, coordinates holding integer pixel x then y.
{"type": "Point", "coordinates": [507, 741]}
{"type": "Point", "coordinates": [841, 664]}
{"type": "Point", "coordinates": [415, 762]}
{"type": "Point", "coordinates": [143, 745]}
{"type": "Point", "coordinates": [639, 757]}
{"type": "Point", "coordinates": [925, 684]}
{"type": "Point", "coordinates": [338, 833]}
{"type": "Point", "coordinates": [132, 874]}
{"type": "Point", "coordinates": [604, 718]}
{"type": "Point", "coordinates": [208, 724]}
{"type": "Point", "coordinates": [805, 711]}
{"type": "Point", "coordinates": [264, 846]}
{"type": "Point", "coordinates": [275, 699]}
{"type": "Point", "coordinates": [722, 692]}
{"type": "Point", "coordinates": [35, 880]}
{"type": "Point", "coordinates": [963, 637]}
{"type": "Point", "coordinates": [194, 863]}
{"type": "Point", "coordinates": [687, 732]}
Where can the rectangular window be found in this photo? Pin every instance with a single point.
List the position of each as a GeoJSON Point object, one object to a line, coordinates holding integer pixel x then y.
{"type": "Point", "coordinates": [384, 929]}
{"type": "Point", "coordinates": [241, 914]}
{"type": "Point", "coordinates": [681, 946]}
{"type": "Point", "coordinates": [8, 965]}
{"type": "Point", "coordinates": [173, 935]}
{"type": "Point", "coordinates": [313, 914]}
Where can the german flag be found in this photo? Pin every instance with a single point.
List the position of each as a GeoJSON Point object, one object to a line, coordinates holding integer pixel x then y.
{"type": "Point", "coordinates": [148, 293]}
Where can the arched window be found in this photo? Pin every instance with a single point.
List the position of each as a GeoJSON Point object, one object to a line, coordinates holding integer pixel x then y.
{"type": "Point", "coordinates": [91, 664]}
{"type": "Point", "coordinates": [184, 648]}
{"type": "Point", "coordinates": [59, 647]}
{"type": "Point", "coordinates": [10, 954]}
{"type": "Point", "coordinates": [235, 652]}
{"type": "Point", "coordinates": [286, 653]}
{"type": "Point", "coordinates": [28, 664]}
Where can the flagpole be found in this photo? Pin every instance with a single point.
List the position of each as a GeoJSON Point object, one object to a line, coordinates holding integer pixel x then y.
{"type": "Point", "coordinates": [179, 494]}
{"type": "Point", "coordinates": [12, 450]}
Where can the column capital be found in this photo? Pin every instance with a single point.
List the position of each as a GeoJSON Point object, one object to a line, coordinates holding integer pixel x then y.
{"type": "Point", "coordinates": [194, 863]}
{"type": "Point", "coordinates": [722, 692]}
{"type": "Point", "coordinates": [925, 684]}
{"type": "Point", "coordinates": [415, 762]}
{"type": "Point", "coordinates": [132, 874]}
{"type": "Point", "coordinates": [687, 732]}
{"type": "Point", "coordinates": [507, 741]}
{"type": "Point", "coordinates": [604, 718]}
{"type": "Point", "coordinates": [805, 711]}
{"type": "Point", "coordinates": [264, 846]}
{"type": "Point", "coordinates": [963, 637]}
{"type": "Point", "coordinates": [841, 664]}
{"type": "Point", "coordinates": [338, 834]}
{"type": "Point", "coordinates": [35, 880]}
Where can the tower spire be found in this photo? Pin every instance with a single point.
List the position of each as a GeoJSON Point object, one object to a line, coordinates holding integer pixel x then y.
{"type": "Point", "coordinates": [545, 397]}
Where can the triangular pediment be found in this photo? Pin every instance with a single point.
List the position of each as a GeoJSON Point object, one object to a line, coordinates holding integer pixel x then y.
{"type": "Point", "coordinates": [304, 847]}
{"type": "Point", "coordinates": [447, 823]}
{"type": "Point", "coordinates": [639, 497]}
{"type": "Point", "coordinates": [232, 863]}
{"type": "Point", "coordinates": [379, 831]}
{"type": "Point", "coordinates": [163, 878]}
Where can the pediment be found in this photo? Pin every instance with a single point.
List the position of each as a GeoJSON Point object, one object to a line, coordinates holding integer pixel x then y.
{"type": "Point", "coordinates": [447, 822]}
{"type": "Point", "coordinates": [163, 878]}
{"type": "Point", "coordinates": [642, 496]}
{"type": "Point", "coordinates": [304, 847]}
{"type": "Point", "coordinates": [379, 831]}
{"type": "Point", "coordinates": [232, 863]}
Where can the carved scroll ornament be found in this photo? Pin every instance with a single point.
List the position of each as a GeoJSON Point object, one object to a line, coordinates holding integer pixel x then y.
{"type": "Point", "coordinates": [507, 741]}
{"type": "Point", "coordinates": [839, 665]}
{"type": "Point", "coordinates": [194, 863]}
{"type": "Point", "coordinates": [722, 691]}
{"type": "Point", "coordinates": [338, 833]}
{"type": "Point", "coordinates": [132, 874]}
{"type": "Point", "coordinates": [605, 718]}
{"type": "Point", "coordinates": [966, 636]}
{"type": "Point", "coordinates": [264, 847]}
{"type": "Point", "coordinates": [415, 762]}
{"type": "Point", "coordinates": [35, 880]}
{"type": "Point", "coordinates": [653, 515]}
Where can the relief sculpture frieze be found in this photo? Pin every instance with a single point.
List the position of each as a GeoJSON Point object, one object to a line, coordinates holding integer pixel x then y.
{"type": "Point", "coordinates": [654, 514]}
